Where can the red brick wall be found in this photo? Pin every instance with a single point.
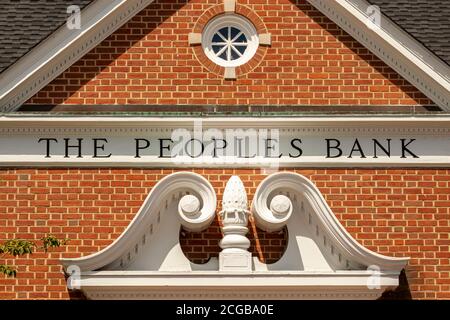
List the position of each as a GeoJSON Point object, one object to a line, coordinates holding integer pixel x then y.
{"type": "Point", "coordinates": [393, 212]}
{"type": "Point", "coordinates": [311, 62]}
{"type": "Point", "coordinates": [148, 61]}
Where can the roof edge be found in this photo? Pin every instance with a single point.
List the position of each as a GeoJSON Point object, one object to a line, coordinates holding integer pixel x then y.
{"type": "Point", "coordinates": [229, 109]}
{"type": "Point", "coordinates": [393, 45]}
{"type": "Point", "coordinates": [54, 55]}
{"type": "Point", "coordinates": [48, 35]}
{"type": "Point", "coordinates": [347, 120]}
{"type": "Point", "coordinates": [63, 48]}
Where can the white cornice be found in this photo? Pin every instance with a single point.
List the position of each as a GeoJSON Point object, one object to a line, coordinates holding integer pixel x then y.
{"type": "Point", "coordinates": [62, 49]}
{"type": "Point", "coordinates": [15, 121]}
{"type": "Point", "coordinates": [394, 46]}
{"type": "Point", "coordinates": [19, 139]}
{"type": "Point", "coordinates": [213, 285]}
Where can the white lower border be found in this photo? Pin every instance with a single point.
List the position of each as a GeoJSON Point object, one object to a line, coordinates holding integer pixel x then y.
{"type": "Point", "coordinates": [254, 286]}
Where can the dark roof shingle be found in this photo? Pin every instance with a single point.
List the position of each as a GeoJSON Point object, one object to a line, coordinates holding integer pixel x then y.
{"type": "Point", "coordinates": [25, 23]}
{"type": "Point", "coordinates": [428, 21]}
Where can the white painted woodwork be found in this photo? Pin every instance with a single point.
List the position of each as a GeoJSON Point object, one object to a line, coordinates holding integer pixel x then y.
{"type": "Point", "coordinates": [322, 260]}
{"type": "Point", "coordinates": [234, 214]}
{"type": "Point", "coordinates": [19, 136]}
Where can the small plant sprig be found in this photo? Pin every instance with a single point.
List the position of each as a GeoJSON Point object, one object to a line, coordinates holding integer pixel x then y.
{"type": "Point", "coordinates": [17, 247]}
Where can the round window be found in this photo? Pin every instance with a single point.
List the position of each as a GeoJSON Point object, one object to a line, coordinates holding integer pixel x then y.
{"type": "Point", "coordinates": [230, 40]}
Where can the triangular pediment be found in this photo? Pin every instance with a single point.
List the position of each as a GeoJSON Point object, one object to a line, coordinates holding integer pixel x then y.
{"type": "Point", "coordinates": [147, 261]}
{"type": "Point", "coordinates": [326, 71]}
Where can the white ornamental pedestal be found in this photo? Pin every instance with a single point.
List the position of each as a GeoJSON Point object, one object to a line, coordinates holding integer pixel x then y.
{"type": "Point", "coordinates": [234, 214]}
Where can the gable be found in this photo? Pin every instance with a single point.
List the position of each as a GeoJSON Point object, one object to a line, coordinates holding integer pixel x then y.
{"type": "Point", "coordinates": [312, 61]}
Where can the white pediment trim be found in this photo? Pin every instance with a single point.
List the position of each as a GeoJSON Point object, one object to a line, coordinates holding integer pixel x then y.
{"type": "Point", "coordinates": [393, 45]}
{"type": "Point", "coordinates": [322, 260]}
{"type": "Point", "coordinates": [100, 19]}
{"type": "Point", "coordinates": [301, 197]}
{"type": "Point", "coordinates": [178, 189]}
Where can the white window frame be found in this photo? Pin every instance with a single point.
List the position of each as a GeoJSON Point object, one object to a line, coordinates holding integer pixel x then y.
{"type": "Point", "coordinates": [230, 20]}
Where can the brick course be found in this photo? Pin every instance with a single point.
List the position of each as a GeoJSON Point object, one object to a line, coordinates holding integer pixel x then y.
{"type": "Point", "coordinates": [311, 62]}
{"type": "Point", "coordinates": [394, 212]}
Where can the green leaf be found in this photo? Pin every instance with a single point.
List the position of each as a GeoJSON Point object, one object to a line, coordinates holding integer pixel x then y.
{"type": "Point", "coordinates": [50, 241]}
{"type": "Point", "coordinates": [8, 271]}
{"type": "Point", "coordinates": [17, 247]}
{"type": "Point", "coordinates": [20, 247]}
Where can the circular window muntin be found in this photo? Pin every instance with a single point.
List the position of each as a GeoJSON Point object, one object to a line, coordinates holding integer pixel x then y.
{"type": "Point", "coordinates": [233, 21]}
{"type": "Point", "coordinates": [229, 43]}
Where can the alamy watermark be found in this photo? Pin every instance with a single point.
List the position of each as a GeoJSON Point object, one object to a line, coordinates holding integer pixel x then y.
{"type": "Point", "coordinates": [249, 146]}
{"type": "Point", "coordinates": [374, 281]}
{"type": "Point", "coordinates": [74, 279]}
{"type": "Point", "coordinates": [74, 20]}
{"type": "Point", "coordinates": [374, 17]}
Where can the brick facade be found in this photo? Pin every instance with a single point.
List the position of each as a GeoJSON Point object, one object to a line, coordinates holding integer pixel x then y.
{"type": "Point", "coordinates": [311, 62]}
{"type": "Point", "coordinates": [394, 212]}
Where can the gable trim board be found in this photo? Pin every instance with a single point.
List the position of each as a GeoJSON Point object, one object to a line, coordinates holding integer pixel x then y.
{"type": "Point", "coordinates": [394, 46]}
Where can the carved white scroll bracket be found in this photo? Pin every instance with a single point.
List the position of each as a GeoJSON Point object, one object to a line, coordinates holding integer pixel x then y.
{"type": "Point", "coordinates": [317, 240]}
{"type": "Point", "coordinates": [151, 241]}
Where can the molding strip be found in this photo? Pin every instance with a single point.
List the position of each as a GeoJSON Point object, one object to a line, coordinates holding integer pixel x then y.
{"type": "Point", "coordinates": [275, 285]}
{"type": "Point", "coordinates": [278, 142]}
